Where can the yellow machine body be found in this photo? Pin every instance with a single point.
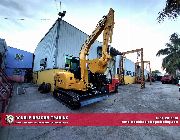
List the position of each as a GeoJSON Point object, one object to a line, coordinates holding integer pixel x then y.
{"type": "Point", "coordinates": [66, 80]}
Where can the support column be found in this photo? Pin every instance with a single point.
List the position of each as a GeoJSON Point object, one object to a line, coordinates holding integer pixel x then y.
{"type": "Point", "coordinates": [57, 43]}
{"type": "Point", "coordinates": [142, 70]}
{"type": "Point", "coordinates": [150, 75]}
{"type": "Point", "coordinates": [136, 73]}
{"type": "Point", "coordinates": [121, 77]}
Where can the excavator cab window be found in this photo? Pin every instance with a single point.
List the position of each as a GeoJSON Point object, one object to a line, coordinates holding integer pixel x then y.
{"type": "Point", "coordinates": [74, 63]}
{"type": "Point", "coordinates": [75, 68]}
{"type": "Point", "coordinates": [66, 65]}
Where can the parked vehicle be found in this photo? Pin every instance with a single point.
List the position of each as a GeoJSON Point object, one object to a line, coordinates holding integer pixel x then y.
{"type": "Point", "coordinates": [167, 79]}
{"type": "Point", "coordinates": [176, 80]}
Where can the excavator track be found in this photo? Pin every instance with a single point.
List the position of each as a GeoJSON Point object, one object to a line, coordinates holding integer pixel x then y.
{"type": "Point", "coordinates": [74, 101]}
{"type": "Point", "coordinates": [68, 98]}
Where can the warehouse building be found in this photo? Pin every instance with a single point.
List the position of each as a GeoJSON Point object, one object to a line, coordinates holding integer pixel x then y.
{"type": "Point", "coordinates": [61, 42]}
{"type": "Point", "coordinates": [19, 65]}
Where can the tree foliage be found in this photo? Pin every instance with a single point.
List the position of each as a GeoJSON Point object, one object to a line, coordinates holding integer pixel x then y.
{"type": "Point", "coordinates": [171, 10]}
{"type": "Point", "coordinates": [156, 71]}
{"type": "Point", "coordinates": [171, 61]}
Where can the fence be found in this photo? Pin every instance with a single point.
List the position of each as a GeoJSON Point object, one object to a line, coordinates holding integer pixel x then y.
{"type": "Point", "coordinates": [6, 88]}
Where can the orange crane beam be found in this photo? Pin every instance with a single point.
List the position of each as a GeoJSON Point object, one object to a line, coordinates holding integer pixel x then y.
{"type": "Point", "coordinates": [148, 62]}
{"type": "Point", "coordinates": [121, 76]}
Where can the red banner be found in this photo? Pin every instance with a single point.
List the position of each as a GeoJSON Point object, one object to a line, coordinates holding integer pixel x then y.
{"type": "Point", "coordinates": [90, 119]}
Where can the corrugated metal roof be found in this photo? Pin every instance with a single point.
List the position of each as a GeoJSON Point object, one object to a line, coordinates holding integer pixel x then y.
{"type": "Point", "coordinates": [49, 30]}
{"type": "Point", "coordinates": [67, 23]}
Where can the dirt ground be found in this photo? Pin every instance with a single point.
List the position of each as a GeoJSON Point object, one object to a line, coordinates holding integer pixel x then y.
{"type": "Point", "coordinates": [130, 98]}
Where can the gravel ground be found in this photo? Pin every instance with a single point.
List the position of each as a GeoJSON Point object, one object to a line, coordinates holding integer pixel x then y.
{"type": "Point", "coordinates": [130, 98]}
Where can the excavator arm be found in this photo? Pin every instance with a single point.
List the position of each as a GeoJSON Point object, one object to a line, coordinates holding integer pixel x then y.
{"type": "Point", "coordinates": [97, 65]}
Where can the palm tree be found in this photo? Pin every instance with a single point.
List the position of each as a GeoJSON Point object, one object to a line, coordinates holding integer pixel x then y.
{"type": "Point", "coordinates": [171, 10]}
{"type": "Point", "coordinates": [171, 62]}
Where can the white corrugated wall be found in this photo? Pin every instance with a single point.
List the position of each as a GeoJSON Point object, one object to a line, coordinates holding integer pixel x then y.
{"type": "Point", "coordinates": [117, 64]}
{"type": "Point", "coordinates": [46, 49]}
{"type": "Point", "coordinates": [129, 65]}
{"type": "Point", "coordinates": [69, 42]}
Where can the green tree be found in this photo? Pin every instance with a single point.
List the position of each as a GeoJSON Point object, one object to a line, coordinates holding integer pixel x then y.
{"type": "Point", "coordinates": [171, 10]}
{"type": "Point", "coordinates": [155, 72]}
{"type": "Point", "coordinates": [171, 61]}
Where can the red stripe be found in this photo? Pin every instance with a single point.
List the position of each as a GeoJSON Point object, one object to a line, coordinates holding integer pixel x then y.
{"type": "Point", "coordinates": [94, 119]}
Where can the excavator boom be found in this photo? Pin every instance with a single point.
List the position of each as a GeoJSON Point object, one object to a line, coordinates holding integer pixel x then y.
{"type": "Point", "coordinates": [98, 65]}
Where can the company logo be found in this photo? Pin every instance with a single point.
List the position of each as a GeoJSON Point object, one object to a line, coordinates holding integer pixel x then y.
{"type": "Point", "coordinates": [9, 119]}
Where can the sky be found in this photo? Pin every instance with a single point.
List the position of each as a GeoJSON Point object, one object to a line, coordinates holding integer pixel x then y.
{"type": "Point", "coordinates": [135, 23]}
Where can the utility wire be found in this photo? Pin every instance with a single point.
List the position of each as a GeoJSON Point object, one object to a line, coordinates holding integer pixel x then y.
{"type": "Point", "coordinates": [42, 19]}
{"type": "Point", "coordinates": [56, 6]}
{"type": "Point", "coordinates": [22, 19]}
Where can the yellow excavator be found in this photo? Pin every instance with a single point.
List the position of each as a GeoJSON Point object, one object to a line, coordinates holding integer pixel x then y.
{"type": "Point", "coordinates": [84, 82]}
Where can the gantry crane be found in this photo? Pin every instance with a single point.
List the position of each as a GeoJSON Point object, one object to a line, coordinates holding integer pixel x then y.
{"type": "Point", "coordinates": [150, 75]}
{"type": "Point", "coordinates": [121, 75]}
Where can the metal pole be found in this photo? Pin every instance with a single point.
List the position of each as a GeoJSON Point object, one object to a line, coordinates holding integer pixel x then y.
{"type": "Point", "coordinates": [142, 70]}
{"type": "Point", "coordinates": [136, 72]}
{"type": "Point", "coordinates": [150, 75]}
{"type": "Point", "coordinates": [121, 70]}
{"type": "Point", "coordinates": [57, 43]}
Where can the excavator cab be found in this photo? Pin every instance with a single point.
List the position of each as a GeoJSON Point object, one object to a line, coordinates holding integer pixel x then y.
{"type": "Point", "coordinates": [75, 68]}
